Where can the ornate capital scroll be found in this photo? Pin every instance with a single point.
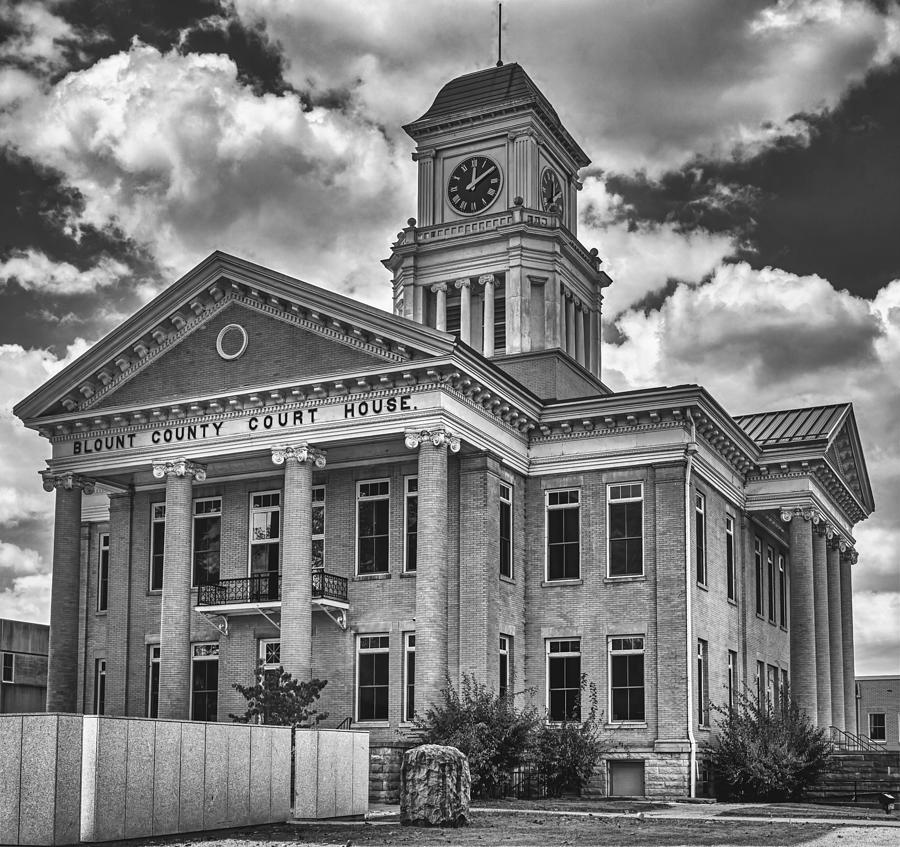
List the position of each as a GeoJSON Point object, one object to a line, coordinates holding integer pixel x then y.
{"type": "Point", "coordinates": [486, 279]}
{"type": "Point", "coordinates": [66, 481]}
{"type": "Point", "coordinates": [787, 515]}
{"type": "Point", "coordinates": [439, 286]}
{"type": "Point", "coordinates": [438, 437]}
{"type": "Point", "coordinates": [300, 452]}
{"type": "Point", "coordinates": [178, 467]}
{"type": "Point", "coordinates": [462, 282]}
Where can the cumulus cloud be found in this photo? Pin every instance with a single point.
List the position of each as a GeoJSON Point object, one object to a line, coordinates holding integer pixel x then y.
{"type": "Point", "coordinates": [35, 271]}
{"type": "Point", "coordinates": [27, 598]}
{"type": "Point", "coordinates": [17, 561]}
{"type": "Point", "coordinates": [876, 624]}
{"type": "Point", "coordinates": [38, 35]}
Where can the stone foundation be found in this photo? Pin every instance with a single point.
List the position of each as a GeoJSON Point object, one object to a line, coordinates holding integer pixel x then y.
{"type": "Point", "coordinates": [385, 762]}
{"type": "Point", "coordinates": [666, 775]}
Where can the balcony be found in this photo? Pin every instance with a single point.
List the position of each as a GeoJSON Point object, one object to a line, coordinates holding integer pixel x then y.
{"type": "Point", "coordinates": [259, 592]}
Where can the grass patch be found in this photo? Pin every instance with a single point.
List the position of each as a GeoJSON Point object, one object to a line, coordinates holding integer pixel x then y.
{"type": "Point", "coordinates": [810, 810]}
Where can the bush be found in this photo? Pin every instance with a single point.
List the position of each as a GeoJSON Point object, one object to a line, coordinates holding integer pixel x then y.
{"type": "Point", "coordinates": [766, 751]}
{"type": "Point", "coordinates": [488, 728]}
{"type": "Point", "coordinates": [277, 699]}
{"type": "Point", "coordinates": [566, 754]}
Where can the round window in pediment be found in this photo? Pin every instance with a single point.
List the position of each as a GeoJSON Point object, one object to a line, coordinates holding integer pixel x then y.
{"type": "Point", "coordinates": [232, 342]}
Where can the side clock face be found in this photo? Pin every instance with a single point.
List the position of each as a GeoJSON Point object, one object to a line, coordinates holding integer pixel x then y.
{"type": "Point", "coordinates": [474, 184]}
{"type": "Point", "coordinates": [551, 191]}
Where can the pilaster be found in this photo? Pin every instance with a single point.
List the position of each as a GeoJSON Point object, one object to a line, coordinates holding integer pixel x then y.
{"type": "Point", "coordinates": [425, 158]}
{"type": "Point", "coordinates": [118, 617]}
{"type": "Point", "coordinates": [487, 280]}
{"type": "Point", "coordinates": [465, 309]}
{"type": "Point", "coordinates": [525, 175]}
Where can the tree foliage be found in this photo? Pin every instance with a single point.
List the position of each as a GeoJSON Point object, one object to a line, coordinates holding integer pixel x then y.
{"type": "Point", "coordinates": [766, 751]}
{"type": "Point", "coordinates": [276, 698]}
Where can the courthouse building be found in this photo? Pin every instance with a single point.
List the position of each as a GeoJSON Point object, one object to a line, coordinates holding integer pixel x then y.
{"type": "Point", "coordinates": [253, 467]}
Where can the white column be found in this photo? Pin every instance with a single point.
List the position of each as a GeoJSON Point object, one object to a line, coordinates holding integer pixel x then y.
{"type": "Point", "coordinates": [579, 335]}
{"type": "Point", "coordinates": [440, 316]}
{"type": "Point", "coordinates": [425, 158]}
{"type": "Point", "coordinates": [835, 645]}
{"type": "Point", "coordinates": [595, 342]}
{"type": "Point", "coordinates": [570, 325]}
{"type": "Point", "coordinates": [465, 309]}
{"type": "Point", "coordinates": [487, 280]}
{"type": "Point", "coordinates": [848, 557]}
{"type": "Point", "coordinates": [820, 601]}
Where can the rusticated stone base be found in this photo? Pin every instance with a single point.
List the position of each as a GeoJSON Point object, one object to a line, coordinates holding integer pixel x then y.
{"type": "Point", "coordinates": [666, 774]}
{"type": "Point", "coordinates": [385, 762]}
{"type": "Point", "coordinates": [434, 787]}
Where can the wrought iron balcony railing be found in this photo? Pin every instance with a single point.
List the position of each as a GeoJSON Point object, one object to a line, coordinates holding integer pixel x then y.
{"type": "Point", "coordinates": [266, 588]}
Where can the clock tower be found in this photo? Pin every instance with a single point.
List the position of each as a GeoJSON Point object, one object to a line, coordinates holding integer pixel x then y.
{"type": "Point", "coordinates": [492, 255]}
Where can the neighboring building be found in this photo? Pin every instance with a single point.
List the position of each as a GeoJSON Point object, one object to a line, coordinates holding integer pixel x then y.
{"type": "Point", "coordinates": [391, 500]}
{"type": "Point", "coordinates": [23, 666]}
{"type": "Point", "coordinates": [878, 709]}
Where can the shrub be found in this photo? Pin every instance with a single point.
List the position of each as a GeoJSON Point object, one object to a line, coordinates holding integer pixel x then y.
{"type": "Point", "coordinates": [566, 754]}
{"type": "Point", "coordinates": [488, 728]}
{"type": "Point", "coordinates": [276, 698]}
{"type": "Point", "coordinates": [766, 751]}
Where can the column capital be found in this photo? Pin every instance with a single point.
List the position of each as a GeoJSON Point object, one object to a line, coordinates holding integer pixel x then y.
{"type": "Point", "coordinates": [66, 481]}
{"type": "Point", "coordinates": [521, 134]}
{"type": "Point", "coordinates": [438, 437]}
{"type": "Point", "coordinates": [423, 154]}
{"type": "Point", "coordinates": [179, 467]}
{"type": "Point", "coordinates": [462, 282]}
{"type": "Point", "coordinates": [300, 452]}
{"type": "Point", "coordinates": [486, 279]}
{"type": "Point", "coordinates": [439, 286]}
{"type": "Point", "coordinates": [848, 554]}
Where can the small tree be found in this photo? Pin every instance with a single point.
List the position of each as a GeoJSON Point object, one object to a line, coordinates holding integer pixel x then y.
{"type": "Point", "coordinates": [488, 728]}
{"type": "Point", "coordinates": [566, 754]}
{"type": "Point", "coordinates": [276, 698]}
{"type": "Point", "coordinates": [766, 751]}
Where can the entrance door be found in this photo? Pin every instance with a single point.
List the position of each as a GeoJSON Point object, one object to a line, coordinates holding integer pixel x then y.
{"type": "Point", "coordinates": [626, 779]}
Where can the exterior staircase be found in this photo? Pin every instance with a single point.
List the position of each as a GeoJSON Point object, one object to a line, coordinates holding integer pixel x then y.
{"type": "Point", "coordinates": [861, 770]}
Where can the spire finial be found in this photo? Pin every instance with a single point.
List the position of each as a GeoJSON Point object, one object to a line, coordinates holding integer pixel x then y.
{"type": "Point", "coordinates": [499, 35]}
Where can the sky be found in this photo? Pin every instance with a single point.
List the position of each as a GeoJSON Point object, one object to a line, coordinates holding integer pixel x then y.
{"type": "Point", "coordinates": [744, 194]}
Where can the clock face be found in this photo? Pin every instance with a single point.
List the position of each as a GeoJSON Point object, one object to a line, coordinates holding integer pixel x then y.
{"type": "Point", "coordinates": [474, 184]}
{"type": "Point", "coordinates": [551, 191]}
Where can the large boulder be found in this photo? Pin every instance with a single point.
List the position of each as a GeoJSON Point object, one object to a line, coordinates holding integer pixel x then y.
{"type": "Point", "coordinates": [434, 787]}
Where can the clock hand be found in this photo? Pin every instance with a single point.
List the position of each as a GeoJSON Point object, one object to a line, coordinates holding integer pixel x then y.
{"type": "Point", "coordinates": [478, 179]}
{"type": "Point", "coordinates": [471, 185]}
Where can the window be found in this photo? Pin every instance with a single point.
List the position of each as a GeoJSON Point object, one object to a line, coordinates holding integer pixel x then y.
{"type": "Point", "coordinates": [207, 540]}
{"type": "Point", "coordinates": [506, 567]}
{"type": "Point", "coordinates": [732, 677]}
{"type": "Point", "coordinates": [761, 683]}
{"type": "Point", "coordinates": [626, 529]}
{"type": "Point", "coordinates": [626, 678]}
{"type": "Point", "coordinates": [411, 522]}
{"type": "Point", "coordinates": [771, 686]}
{"type": "Point", "coordinates": [318, 526]}
{"type": "Point", "coordinates": [372, 678]}
{"type": "Point", "coordinates": [99, 686]}
{"type": "Point", "coordinates": [700, 536]}
{"type": "Point", "coordinates": [729, 557]}
{"type": "Point", "coordinates": [153, 681]}
{"type": "Point", "coordinates": [103, 574]}
{"type": "Point", "coordinates": [270, 656]}
{"type": "Point", "coordinates": [782, 590]}
{"type": "Point", "coordinates": [564, 680]}
{"type": "Point", "coordinates": [785, 683]}
{"type": "Point", "coordinates": [770, 572]}
{"type": "Point", "coordinates": [204, 682]}
{"type": "Point", "coordinates": [373, 506]}
{"type": "Point", "coordinates": [757, 562]}
{"type": "Point", "coordinates": [877, 726]}
{"type": "Point", "coordinates": [563, 535]}
{"type": "Point", "coordinates": [157, 544]}
{"type": "Point", "coordinates": [505, 646]}
{"type": "Point", "coordinates": [9, 667]}
{"type": "Point", "coordinates": [265, 532]}
{"type": "Point", "coordinates": [409, 676]}
{"type": "Point", "coordinates": [702, 682]}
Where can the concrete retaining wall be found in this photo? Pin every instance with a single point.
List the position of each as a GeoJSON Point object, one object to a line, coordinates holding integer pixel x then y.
{"type": "Point", "coordinates": [332, 773]}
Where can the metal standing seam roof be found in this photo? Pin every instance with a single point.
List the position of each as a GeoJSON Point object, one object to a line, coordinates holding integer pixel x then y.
{"type": "Point", "coordinates": [792, 426]}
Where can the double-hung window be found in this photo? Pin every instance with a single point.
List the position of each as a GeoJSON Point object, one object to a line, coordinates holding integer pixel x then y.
{"type": "Point", "coordinates": [265, 533]}
{"type": "Point", "coordinates": [411, 522]}
{"type": "Point", "coordinates": [157, 544]}
{"type": "Point", "coordinates": [761, 684]}
{"type": "Point", "coordinates": [730, 582]}
{"type": "Point", "coordinates": [100, 686]}
{"type": "Point", "coordinates": [318, 526]}
{"type": "Point", "coordinates": [409, 676]}
{"type": "Point", "coordinates": [506, 565]}
{"type": "Point", "coordinates": [204, 682]}
{"type": "Point", "coordinates": [564, 679]}
{"type": "Point", "coordinates": [505, 650]}
{"type": "Point", "coordinates": [270, 656]}
{"type": "Point", "coordinates": [877, 726]}
{"type": "Point", "coordinates": [626, 678]}
{"type": "Point", "coordinates": [626, 529]}
{"type": "Point", "coordinates": [207, 540]}
{"type": "Point", "coordinates": [770, 573]}
{"type": "Point", "coordinates": [758, 573]}
{"type": "Point", "coordinates": [153, 681]}
{"type": "Point", "coordinates": [372, 673]}
{"type": "Point", "coordinates": [373, 509]}
{"type": "Point", "coordinates": [563, 535]}
{"type": "Point", "coordinates": [771, 686]}
{"type": "Point", "coordinates": [702, 682]}
{"type": "Point", "coordinates": [103, 573]}
{"type": "Point", "coordinates": [782, 590]}
{"type": "Point", "coordinates": [732, 678]}
{"type": "Point", "coordinates": [700, 536]}
{"type": "Point", "coordinates": [9, 667]}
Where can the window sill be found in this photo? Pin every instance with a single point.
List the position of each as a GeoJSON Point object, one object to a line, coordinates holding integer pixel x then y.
{"type": "Point", "coordinates": [407, 574]}
{"type": "Point", "coordinates": [703, 586]}
{"type": "Point", "coordinates": [508, 579]}
{"type": "Point", "coordinates": [627, 725]}
{"type": "Point", "coordinates": [760, 617]}
{"type": "Point", "coordinates": [625, 578]}
{"type": "Point", "coordinates": [732, 602]}
{"type": "Point", "coordinates": [704, 727]}
{"type": "Point", "coordinates": [549, 583]}
{"type": "Point", "coordinates": [373, 724]}
{"type": "Point", "coordinates": [101, 613]}
{"type": "Point", "coordinates": [783, 628]}
{"type": "Point", "coordinates": [154, 592]}
{"type": "Point", "coordinates": [368, 577]}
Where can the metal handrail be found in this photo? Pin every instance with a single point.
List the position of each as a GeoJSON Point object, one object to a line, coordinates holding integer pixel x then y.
{"type": "Point", "coordinates": [266, 588]}
{"type": "Point", "coordinates": [848, 742]}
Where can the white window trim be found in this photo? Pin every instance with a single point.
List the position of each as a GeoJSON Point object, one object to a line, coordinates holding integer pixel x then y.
{"type": "Point", "coordinates": [368, 650]}
{"type": "Point", "coordinates": [547, 509]}
{"type": "Point", "coordinates": [771, 585]}
{"type": "Point", "coordinates": [99, 673]}
{"type": "Point", "coordinates": [877, 740]}
{"type": "Point", "coordinates": [405, 718]}
{"type": "Point", "coordinates": [633, 651]}
{"type": "Point", "coordinates": [252, 509]}
{"type": "Point", "coordinates": [101, 549]}
{"type": "Point", "coordinates": [406, 497]}
{"type": "Point", "coordinates": [505, 651]}
{"type": "Point", "coordinates": [323, 504]}
{"type": "Point", "coordinates": [512, 524]}
{"type": "Point", "coordinates": [783, 596]}
{"type": "Point", "coordinates": [609, 540]}
{"type": "Point", "coordinates": [155, 657]}
{"type": "Point", "coordinates": [194, 517]}
{"type": "Point", "coordinates": [12, 679]}
{"type": "Point", "coordinates": [759, 583]}
{"type": "Point", "coordinates": [700, 509]}
{"type": "Point", "coordinates": [731, 689]}
{"type": "Point", "coordinates": [263, 642]}
{"type": "Point", "coordinates": [194, 658]}
{"type": "Point", "coordinates": [360, 499]}
{"type": "Point", "coordinates": [703, 683]}
{"type": "Point", "coordinates": [730, 540]}
{"type": "Point", "coordinates": [162, 520]}
{"type": "Point", "coordinates": [570, 654]}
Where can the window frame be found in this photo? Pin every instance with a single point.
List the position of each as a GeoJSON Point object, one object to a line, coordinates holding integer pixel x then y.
{"type": "Point", "coordinates": [103, 572]}
{"type": "Point", "coordinates": [318, 536]}
{"type": "Point", "coordinates": [761, 683]}
{"type": "Point", "coordinates": [626, 651]}
{"type": "Point", "coordinates": [758, 577]}
{"type": "Point", "coordinates": [504, 659]}
{"type": "Point", "coordinates": [772, 592]}
{"type": "Point", "coordinates": [560, 507]}
{"type": "Point", "coordinates": [561, 654]}
{"type": "Point", "coordinates": [8, 654]}
{"type": "Point", "coordinates": [730, 564]}
{"type": "Point", "coordinates": [700, 538]}
{"type": "Point", "coordinates": [251, 542]}
{"type": "Point", "coordinates": [194, 518]}
{"type": "Point", "coordinates": [407, 496]}
{"type": "Point", "coordinates": [371, 499]}
{"type": "Point", "coordinates": [210, 657]}
{"type": "Point", "coordinates": [262, 655]}
{"type": "Point", "coordinates": [732, 677]}
{"type": "Point", "coordinates": [99, 686]}
{"type": "Point", "coordinates": [154, 657]}
{"type": "Point", "coordinates": [409, 651]}
{"type": "Point", "coordinates": [782, 590]}
{"type": "Point", "coordinates": [702, 683]}
{"type": "Point", "coordinates": [161, 520]}
{"type": "Point", "coordinates": [610, 502]}
{"type": "Point", "coordinates": [360, 651]}
{"type": "Point", "coordinates": [883, 716]}
{"type": "Point", "coordinates": [506, 500]}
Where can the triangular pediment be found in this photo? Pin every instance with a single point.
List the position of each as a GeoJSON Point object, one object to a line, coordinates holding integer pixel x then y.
{"type": "Point", "coordinates": [845, 456]}
{"type": "Point", "coordinates": [170, 349]}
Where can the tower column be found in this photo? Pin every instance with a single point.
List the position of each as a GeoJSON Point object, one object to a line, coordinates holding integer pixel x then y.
{"type": "Point", "coordinates": [440, 314]}
{"type": "Point", "coordinates": [425, 158]}
{"type": "Point", "coordinates": [62, 661]}
{"type": "Point", "coordinates": [595, 342]}
{"type": "Point", "coordinates": [431, 569]}
{"type": "Point", "coordinates": [579, 335]}
{"type": "Point", "coordinates": [296, 556]}
{"type": "Point", "coordinates": [820, 601]}
{"type": "Point", "coordinates": [847, 559]}
{"type": "Point", "coordinates": [835, 641]}
{"type": "Point", "coordinates": [465, 309]}
{"type": "Point", "coordinates": [563, 316]}
{"type": "Point", "coordinates": [487, 280]}
{"type": "Point", "coordinates": [175, 618]}
{"type": "Point", "coordinates": [551, 314]}
{"type": "Point", "coordinates": [570, 325]}
{"type": "Point", "coordinates": [802, 623]}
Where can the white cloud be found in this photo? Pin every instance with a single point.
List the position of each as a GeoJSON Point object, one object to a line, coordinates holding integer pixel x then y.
{"type": "Point", "coordinates": [19, 561]}
{"type": "Point", "coordinates": [38, 34]}
{"type": "Point", "coordinates": [16, 85]}
{"type": "Point", "coordinates": [35, 271]}
{"type": "Point", "coordinates": [27, 599]}
{"type": "Point", "coordinates": [876, 624]}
